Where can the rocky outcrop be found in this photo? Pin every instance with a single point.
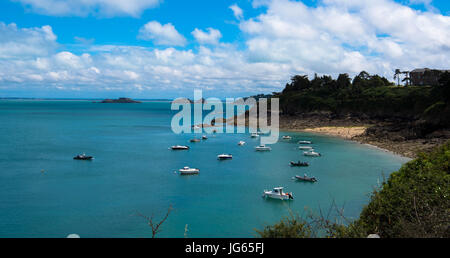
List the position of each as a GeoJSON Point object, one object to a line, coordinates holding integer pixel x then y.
{"type": "Point", "coordinates": [120, 100]}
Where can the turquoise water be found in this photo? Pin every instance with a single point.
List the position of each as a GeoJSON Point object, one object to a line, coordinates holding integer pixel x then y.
{"type": "Point", "coordinates": [133, 172]}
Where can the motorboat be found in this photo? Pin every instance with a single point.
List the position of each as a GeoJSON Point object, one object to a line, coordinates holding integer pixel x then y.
{"type": "Point", "coordinates": [306, 178]}
{"type": "Point", "coordinates": [179, 147]}
{"type": "Point", "coordinates": [224, 156]}
{"type": "Point", "coordinates": [189, 171]}
{"type": "Point", "coordinates": [277, 193]}
{"type": "Point", "coordinates": [305, 148]}
{"type": "Point", "coordinates": [311, 153]}
{"type": "Point", "coordinates": [195, 140]}
{"type": "Point", "coordinates": [304, 142]}
{"type": "Point", "coordinates": [263, 148]}
{"type": "Point", "coordinates": [241, 143]}
{"type": "Point", "coordinates": [254, 135]}
{"type": "Point", "coordinates": [83, 157]}
{"type": "Point", "coordinates": [204, 137]}
{"type": "Point", "coordinates": [299, 164]}
{"type": "Point", "coordinates": [286, 137]}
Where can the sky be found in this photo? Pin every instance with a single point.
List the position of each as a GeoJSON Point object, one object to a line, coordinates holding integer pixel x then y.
{"type": "Point", "coordinates": [152, 49]}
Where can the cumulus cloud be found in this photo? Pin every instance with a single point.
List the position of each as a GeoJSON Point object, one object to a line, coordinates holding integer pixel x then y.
{"type": "Point", "coordinates": [161, 34]}
{"type": "Point", "coordinates": [211, 36]}
{"type": "Point", "coordinates": [287, 38]}
{"type": "Point", "coordinates": [237, 11]}
{"type": "Point", "coordinates": [348, 36]}
{"type": "Point", "coordinates": [18, 43]}
{"type": "Point", "coordinates": [84, 8]}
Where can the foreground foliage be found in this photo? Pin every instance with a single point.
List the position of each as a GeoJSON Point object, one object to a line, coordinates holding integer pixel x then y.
{"type": "Point", "coordinates": [414, 202]}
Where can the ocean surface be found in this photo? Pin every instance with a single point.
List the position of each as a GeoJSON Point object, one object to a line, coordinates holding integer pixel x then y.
{"type": "Point", "coordinates": [45, 193]}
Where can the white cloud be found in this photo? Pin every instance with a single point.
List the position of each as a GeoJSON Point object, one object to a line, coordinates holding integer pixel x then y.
{"type": "Point", "coordinates": [17, 43]}
{"type": "Point", "coordinates": [348, 36]}
{"type": "Point", "coordinates": [86, 7]}
{"type": "Point", "coordinates": [161, 34]}
{"type": "Point", "coordinates": [335, 37]}
{"type": "Point", "coordinates": [237, 11]}
{"type": "Point", "coordinates": [211, 36]}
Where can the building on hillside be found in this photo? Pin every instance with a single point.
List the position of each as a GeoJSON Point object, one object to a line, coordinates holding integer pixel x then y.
{"type": "Point", "coordinates": [425, 76]}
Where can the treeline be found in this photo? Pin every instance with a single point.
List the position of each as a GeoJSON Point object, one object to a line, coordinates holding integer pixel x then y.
{"type": "Point", "coordinates": [413, 203]}
{"type": "Point", "coordinates": [365, 95]}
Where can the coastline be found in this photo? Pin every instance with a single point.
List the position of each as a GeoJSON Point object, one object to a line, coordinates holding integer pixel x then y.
{"type": "Point", "coordinates": [334, 131]}
{"type": "Point", "coordinates": [364, 131]}
{"type": "Point", "coordinates": [357, 131]}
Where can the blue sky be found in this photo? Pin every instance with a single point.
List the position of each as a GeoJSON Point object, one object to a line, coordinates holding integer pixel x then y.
{"type": "Point", "coordinates": [165, 49]}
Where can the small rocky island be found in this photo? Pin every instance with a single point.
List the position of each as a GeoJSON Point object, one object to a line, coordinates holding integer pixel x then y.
{"type": "Point", "coordinates": [119, 100]}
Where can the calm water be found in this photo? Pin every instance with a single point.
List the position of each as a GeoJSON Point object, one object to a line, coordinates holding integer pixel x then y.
{"type": "Point", "coordinates": [133, 171]}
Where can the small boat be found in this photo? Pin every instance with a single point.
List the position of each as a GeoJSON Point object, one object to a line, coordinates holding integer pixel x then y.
{"type": "Point", "coordinates": [277, 193]}
{"type": "Point", "coordinates": [83, 157]}
{"type": "Point", "coordinates": [214, 131]}
{"type": "Point", "coordinates": [194, 140]}
{"type": "Point", "coordinates": [179, 147]}
{"type": "Point", "coordinates": [263, 148]}
{"type": "Point", "coordinates": [241, 143]}
{"type": "Point", "coordinates": [254, 135]}
{"type": "Point", "coordinates": [224, 156]}
{"type": "Point", "coordinates": [287, 137]}
{"type": "Point", "coordinates": [204, 137]}
{"type": "Point", "coordinates": [189, 171]}
{"type": "Point", "coordinates": [305, 148]}
{"type": "Point", "coordinates": [306, 178]}
{"type": "Point", "coordinates": [311, 154]}
{"type": "Point", "coordinates": [304, 142]}
{"type": "Point", "coordinates": [299, 164]}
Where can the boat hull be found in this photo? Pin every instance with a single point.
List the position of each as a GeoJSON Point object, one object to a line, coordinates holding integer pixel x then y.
{"type": "Point", "coordinates": [277, 196]}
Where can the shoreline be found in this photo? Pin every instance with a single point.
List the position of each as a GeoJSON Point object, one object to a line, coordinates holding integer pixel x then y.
{"type": "Point", "coordinates": [337, 134]}
{"type": "Point", "coordinates": [361, 130]}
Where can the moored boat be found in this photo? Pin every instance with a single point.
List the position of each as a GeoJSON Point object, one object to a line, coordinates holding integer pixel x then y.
{"type": "Point", "coordinates": [263, 148]}
{"type": "Point", "coordinates": [305, 148]}
{"type": "Point", "coordinates": [241, 143]}
{"type": "Point", "coordinates": [286, 137]}
{"type": "Point", "coordinates": [306, 178]}
{"type": "Point", "coordinates": [189, 171]}
{"type": "Point", "coordinates": [194, 140]}
{"type": "Point", "coordinates": [277, 193]}
{"type": "Point", "coordinates": [179, 147]}
{"type": "Point", "coordinates": [83, 157]}
{"type": "Point", "coordinates": [224, 156]}
{"type": "Point", "coordinates": [299, 164]}
{"type": "Point", "coordinates": [254, 135]}
{"type": "Point", "coordinates": [304, 142]}
{"type": "Point", "coordinates": [311, 154]}
{"type": "Point", "coordinates": [204, 137]}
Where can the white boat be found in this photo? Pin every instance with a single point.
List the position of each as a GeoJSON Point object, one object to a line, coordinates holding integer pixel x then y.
{"type": "Point", "coordinates": [254, 135]}
{"type": "Point", "coordinates": [189, 171]}
{"type": "Point", "coordinates": [287, 137]}
{"type": "Point", "coordinates": [241, 143]}
{"type": "Point", "coordinates": [304, 142]}
{"type": "Point", "coordinates": [311, 153]}
{"type": "Point", "coordinates": [204, 137]}
{"type": "Point", "coordinates": [179, 147]}
{"type": "Point", "coordinates": [224, 156]}
{"type": "Point", "coordinates": [277, 193]}
{"type": "Point", "coordinates": [263, 148]}
{"type": "Point", "coordinates": [306, 148]}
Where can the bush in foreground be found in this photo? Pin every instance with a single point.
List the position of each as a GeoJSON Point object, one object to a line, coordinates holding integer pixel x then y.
{"type": "Point", "coordinates": [413, 203]}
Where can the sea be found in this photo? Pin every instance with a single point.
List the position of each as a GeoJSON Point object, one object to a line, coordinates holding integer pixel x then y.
{"type": "Point", "coordinates": [44, 192]}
